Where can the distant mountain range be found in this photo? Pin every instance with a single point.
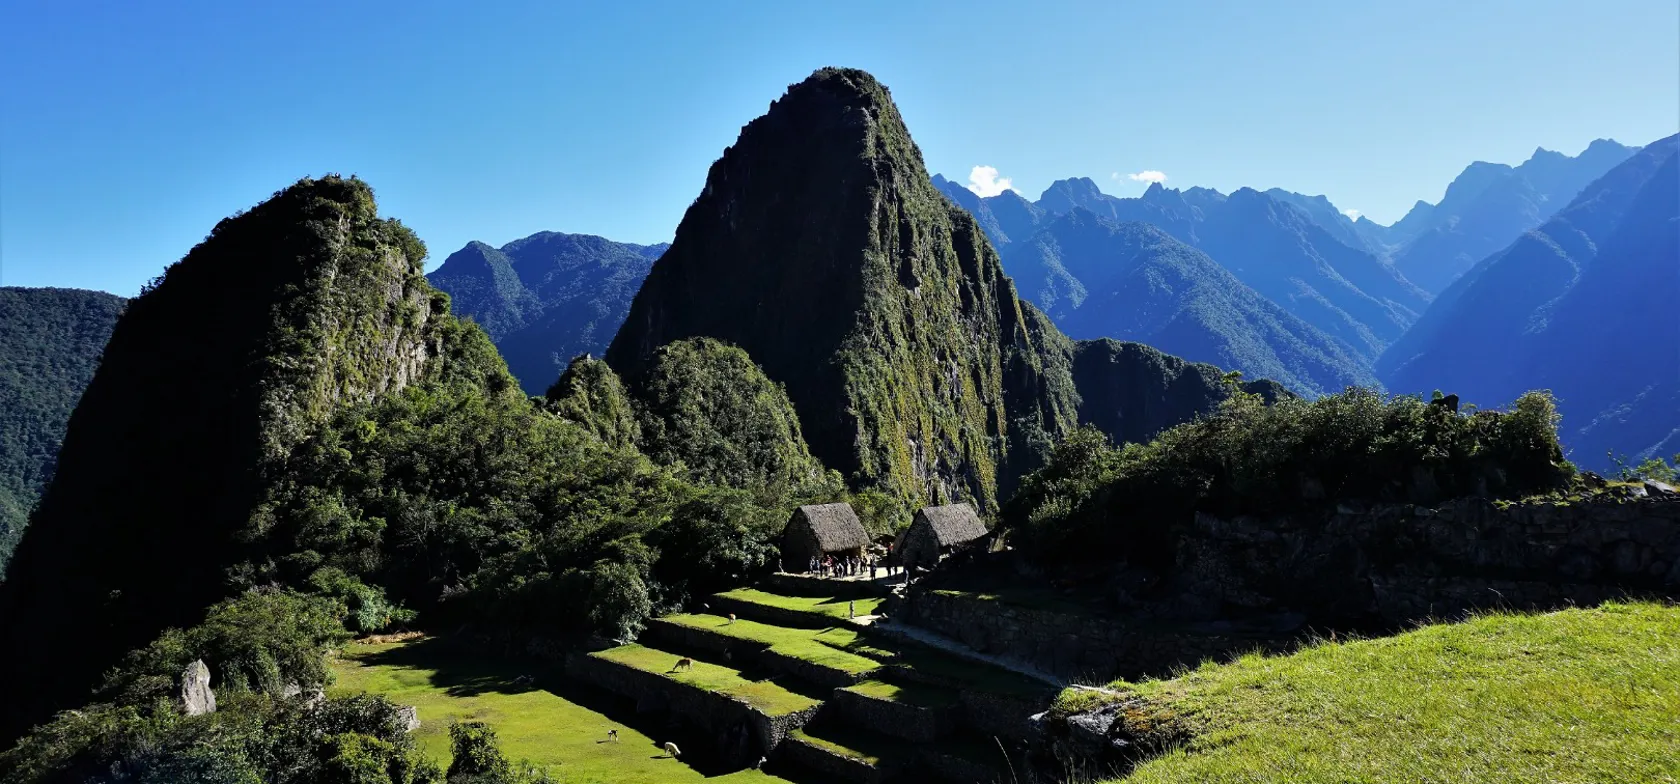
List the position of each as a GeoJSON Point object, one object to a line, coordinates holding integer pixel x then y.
{"type": "Point", "coordinates": [1584, 305]}
{"type": "Point", "coordinates": [1349, 287]}
{"type": "Point", "coordinates": [1346, 305]}
{"type": "Point", "coordinates": [1489, 206]}
{"type": "Point", "coordinates": [546, 298]}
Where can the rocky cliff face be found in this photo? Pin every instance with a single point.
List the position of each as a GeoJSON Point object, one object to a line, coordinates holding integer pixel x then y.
{"type": "Point", "coordinates": [304, 303]}
{"type": "Point", "coordinates": [821, 247]}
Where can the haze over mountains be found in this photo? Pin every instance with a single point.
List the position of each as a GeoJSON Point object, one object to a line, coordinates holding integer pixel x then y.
{"type": "Point", "coordinates": [546, 298]}
{"type": "Point", "coordinates": [1584, 305]}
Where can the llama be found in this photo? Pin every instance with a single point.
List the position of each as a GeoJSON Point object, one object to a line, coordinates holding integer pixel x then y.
{"type": "Point", "coordinates": [671, 749]}
{"type": "Point", "coordinates": [684, 663]}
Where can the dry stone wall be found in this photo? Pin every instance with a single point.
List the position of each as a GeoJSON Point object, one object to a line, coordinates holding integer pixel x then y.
{"type": "Point", "coordinates": [1250, 583]}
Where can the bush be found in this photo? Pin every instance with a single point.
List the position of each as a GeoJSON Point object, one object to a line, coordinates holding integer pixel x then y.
{"type": "Point", "coordinates": [477, 760]}
{"type": "Point", "coordinates": [260, 641]}
{"type": "Point", "coordinates": [251, 739]}
{"type": "Point", "coordinates": [1251, 458]}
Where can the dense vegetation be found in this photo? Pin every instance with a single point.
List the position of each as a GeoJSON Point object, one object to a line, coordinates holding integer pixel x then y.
{"type": "Point", "coordinates": [1094, 500]}
{"type": "Point", "coordinates": [707, 407]}
{"type": "Point", "coordinates": [50, 341]}
{"type": "Point", "coordinates": [546, 298]}
{"type": "Point", "coordinates": [1584, 695]}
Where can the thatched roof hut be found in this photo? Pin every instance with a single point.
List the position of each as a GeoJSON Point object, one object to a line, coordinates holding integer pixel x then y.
{"type": "Point", "coordinates": [936, 531]}
{"type": "Point", "coordinates": [819, 530]}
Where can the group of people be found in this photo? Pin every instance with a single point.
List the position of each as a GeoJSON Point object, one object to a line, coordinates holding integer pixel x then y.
{"type": "Point", "coordinates": [849, 566]}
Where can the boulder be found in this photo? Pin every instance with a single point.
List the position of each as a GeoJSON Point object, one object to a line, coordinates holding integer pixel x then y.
{"type": "Point", "coordinates": [196, 697]}
{"type": "Point", "coordinates": [409, 718]}
{"type": "Point", "coordinates": [1656, 489]}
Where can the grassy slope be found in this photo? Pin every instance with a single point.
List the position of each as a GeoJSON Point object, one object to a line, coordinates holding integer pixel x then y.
{"type": "Point", "coordinates": [532, 723]}
{"type": "Point", "coordinates": [1572, 696]}
{"type": "Point", "coordinates": [764, 695]}
{"type": "Point", "coordinates": [817, 647]}
{"type": "Point", "coordinates": [821, 606]}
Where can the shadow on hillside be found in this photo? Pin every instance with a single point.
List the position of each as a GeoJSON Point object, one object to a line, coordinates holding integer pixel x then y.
{"type": "Point", "coordinates": [458, 670]}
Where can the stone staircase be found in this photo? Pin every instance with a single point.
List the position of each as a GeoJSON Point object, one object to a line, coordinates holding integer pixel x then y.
{"type": "Point", "coordinates": [822, 696]}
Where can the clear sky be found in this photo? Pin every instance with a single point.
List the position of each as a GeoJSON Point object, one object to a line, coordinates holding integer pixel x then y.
{"type": "Point", "coordinates": [128, 129]}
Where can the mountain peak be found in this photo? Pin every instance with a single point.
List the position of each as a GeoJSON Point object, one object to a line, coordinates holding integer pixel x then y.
{"type": "Point", "coordinates": [818, 236]}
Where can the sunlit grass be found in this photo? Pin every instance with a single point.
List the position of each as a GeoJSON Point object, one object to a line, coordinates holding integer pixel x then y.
{"type": "Point", "coordinates": [531, 723]}
{"type": "Point", "coordinates": [1585, 695]}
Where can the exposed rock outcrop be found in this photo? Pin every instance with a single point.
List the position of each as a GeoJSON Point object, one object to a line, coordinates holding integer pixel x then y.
{"type": "Point", "coordinates": [197, 698]}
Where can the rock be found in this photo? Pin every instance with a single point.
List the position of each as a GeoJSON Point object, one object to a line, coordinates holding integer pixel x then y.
{"type": "Point", "coordinates": [1091, 729]}
{"type": "Point", "coordinates": [409, 718]}
{"type": "Point", "coordinates": [1593, 480]}
{"type": "Point", "coordinates": [1657, 489]}
{"type": "Point", "coordinates": [196, 697]}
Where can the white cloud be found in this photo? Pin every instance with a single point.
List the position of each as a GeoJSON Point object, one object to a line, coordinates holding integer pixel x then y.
{"type": "Point", "coordinates": [1114, 175]}
{"type": "Point", "coordinates": [984, 181]}
{"type": "Point", "coordinates": [1352, 214]}
{"type": "Point", "coordinates": [1148, 175]}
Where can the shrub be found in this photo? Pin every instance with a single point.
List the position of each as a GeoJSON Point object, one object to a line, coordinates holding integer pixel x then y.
{"type": "Point", "coordinates": [1251, 458]}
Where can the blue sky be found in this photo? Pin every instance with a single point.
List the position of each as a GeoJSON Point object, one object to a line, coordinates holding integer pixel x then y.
{"type": "Point", "coordinates": [125, 134]}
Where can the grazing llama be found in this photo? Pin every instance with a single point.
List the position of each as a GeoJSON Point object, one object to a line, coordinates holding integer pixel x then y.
{"type": "Point", "coordinates": [671, 749]}
{"type": "Point", "coordinates": [684, 663]}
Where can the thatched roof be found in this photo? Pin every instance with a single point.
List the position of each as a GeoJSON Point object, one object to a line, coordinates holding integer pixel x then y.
{"type": "Point", "coordinates": [952, 524]}
{"type": "Point", "coordinates": [836, 526]}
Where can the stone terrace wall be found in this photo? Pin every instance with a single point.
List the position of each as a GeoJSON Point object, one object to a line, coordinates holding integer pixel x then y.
{"type": "Point", "coordinates": [1237, 583]}
{"type": "Point", "coordinates": [1408, 563]}
{"type": "Point", "coordinates": [743, 732]}
{"type": "Point", "coordinates": [1067, 645]}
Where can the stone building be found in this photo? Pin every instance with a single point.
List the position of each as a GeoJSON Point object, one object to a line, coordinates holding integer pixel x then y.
{"type": "Point", "coordinates": [936, 531]}
{"type": "Point", "coordinates": [820, 530]}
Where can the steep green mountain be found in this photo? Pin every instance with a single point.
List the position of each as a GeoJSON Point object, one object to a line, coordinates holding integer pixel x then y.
{"type": "Point", "coordinates": [50, 342]}
{"type": "Point", "coordinates": [1148, 287]}
{"type": "Point", "coordinates": [1582, 305]}
{"type": "Point", "coordinates": [306, 303]}
{"type": "Point", "coordinates": [705, 405]}
{"type": "Point", "coordinates": [820, 246]}
{"type": "Point", "coordinates": [1490, 205]}
{"type": "Point", "coordinates": [546, 298]}
{"type": "Point", "coordinates": [1130, 389]}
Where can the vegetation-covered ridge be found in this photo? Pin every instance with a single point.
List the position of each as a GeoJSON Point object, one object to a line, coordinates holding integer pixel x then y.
{"type": "Point", "coordinates": [351, 445]}
{"type": "Point", "coordinates": [1586, 695]}
{"type": "Point", "coordinates": [308, 302]}
{"type": "Point", "coordinates": [900, 342]}
{"type": "Point", "coordinates": [50, 342]}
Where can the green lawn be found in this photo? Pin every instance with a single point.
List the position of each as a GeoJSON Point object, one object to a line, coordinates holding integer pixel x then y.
{"type": "Point", "coordinates": [532, 723]}
{"type": "Point", "coordinates": [823, 606]}
{"type": "Point", "coordinates": [909, 694]}
{"type": "Point", "coordinates": [766, 696]}
{"type": "Point", "coordinates": [819, 646]}
{"type": "Point", "coordinates": [1573, 696]}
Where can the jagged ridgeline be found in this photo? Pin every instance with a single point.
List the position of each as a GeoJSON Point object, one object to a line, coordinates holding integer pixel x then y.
{"type": "Point", "coordinates": [820, 246]}
{"type": "Point", "coordinates": [307, 303]}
